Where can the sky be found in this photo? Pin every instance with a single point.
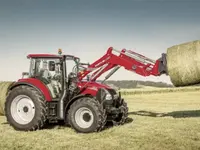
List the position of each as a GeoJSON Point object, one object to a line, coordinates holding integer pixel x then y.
{"type": "Point", "coordinates": [88, 28]}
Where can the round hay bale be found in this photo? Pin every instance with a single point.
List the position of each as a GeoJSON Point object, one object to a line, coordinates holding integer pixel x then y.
{"type": "Point", "coordinates": [3, 92]}
{"type": "Point", "coordinates": [183, 63]}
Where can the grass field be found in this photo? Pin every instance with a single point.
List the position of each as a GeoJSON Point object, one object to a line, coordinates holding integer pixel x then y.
{"type": "Point", "coordinates": [164, 121]}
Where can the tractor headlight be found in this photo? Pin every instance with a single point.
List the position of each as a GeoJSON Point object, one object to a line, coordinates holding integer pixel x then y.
{"type": "Point", "coordinates": [108, 95]}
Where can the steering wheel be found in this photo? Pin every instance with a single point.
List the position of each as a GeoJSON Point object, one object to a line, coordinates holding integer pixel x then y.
{"type": "Point", "coordinates": [75, 69]}
{"type": "Point", "coordinates": [72, 75]}
{"type": "Point", "coordinates": [57, 77]}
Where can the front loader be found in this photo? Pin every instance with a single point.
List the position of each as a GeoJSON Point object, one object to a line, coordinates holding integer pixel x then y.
{"type": "Point", "coordinates": [51, 94]}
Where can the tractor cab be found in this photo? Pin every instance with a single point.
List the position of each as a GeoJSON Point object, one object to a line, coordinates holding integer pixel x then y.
{"type": "Point", "coordinates": [50, 70]}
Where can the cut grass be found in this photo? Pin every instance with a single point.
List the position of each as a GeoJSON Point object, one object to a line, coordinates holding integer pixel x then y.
{"type": "Point", "coordinates": [160, 122]}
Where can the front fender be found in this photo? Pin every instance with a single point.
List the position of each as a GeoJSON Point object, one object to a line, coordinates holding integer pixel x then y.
{"type": "Point", "coordinates": [37, 84]}
{"type": "Point", "coordinates": [73, 100]}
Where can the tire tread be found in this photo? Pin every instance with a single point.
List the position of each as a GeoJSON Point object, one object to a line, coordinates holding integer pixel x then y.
{"type": "Point", "coordinates": [97, 107]}
{"type": "Point", "coordinates": [40, 120]}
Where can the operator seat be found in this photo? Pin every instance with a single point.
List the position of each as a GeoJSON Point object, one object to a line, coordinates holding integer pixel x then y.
{"type": "Point", "coordinates": [45, 76]}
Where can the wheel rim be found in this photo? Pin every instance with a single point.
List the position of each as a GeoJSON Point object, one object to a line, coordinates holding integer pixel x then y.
{"type": "Point", "coordinates": [84, 117]}
{"type": "Point", "coordinates": [22, 109]}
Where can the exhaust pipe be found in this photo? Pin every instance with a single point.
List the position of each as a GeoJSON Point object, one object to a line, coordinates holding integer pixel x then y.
{"type": "Point", "coordinates": [64, 87]}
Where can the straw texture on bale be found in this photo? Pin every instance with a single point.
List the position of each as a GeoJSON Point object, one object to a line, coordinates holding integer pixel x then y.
{"type": "Point", "coordinates": [3, 91]}
{"type": "Point", "coordinates": [183, 63]}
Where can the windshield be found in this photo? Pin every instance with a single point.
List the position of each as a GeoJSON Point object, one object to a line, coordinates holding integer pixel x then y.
{"type": "Point", "coordinates": [41, 67]}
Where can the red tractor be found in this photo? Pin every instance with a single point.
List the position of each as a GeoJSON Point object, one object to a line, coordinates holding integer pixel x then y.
{"type": "Point", "coordinates": [51, 94]}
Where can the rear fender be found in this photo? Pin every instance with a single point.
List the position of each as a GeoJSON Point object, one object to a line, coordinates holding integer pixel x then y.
{"type": "Point", "coordinates": [38, 85]}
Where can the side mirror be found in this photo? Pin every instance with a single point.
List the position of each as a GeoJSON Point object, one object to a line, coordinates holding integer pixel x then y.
{"type": "Point", "coordinates": [25, 74]}
{"type": "Point", "coordinates": [51, 66]}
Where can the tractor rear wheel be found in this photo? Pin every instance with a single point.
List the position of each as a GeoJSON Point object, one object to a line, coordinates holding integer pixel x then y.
{"type": "Point", "coordinates": [25, 109]}
{"type": "Point", "coordinates": [86, 115]}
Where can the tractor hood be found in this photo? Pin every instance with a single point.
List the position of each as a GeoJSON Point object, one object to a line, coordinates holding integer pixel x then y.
{"type": "Point", "coordinates": [93, 87]}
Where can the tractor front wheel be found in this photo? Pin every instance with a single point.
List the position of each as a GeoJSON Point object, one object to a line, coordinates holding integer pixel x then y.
{"type": "Point", "coordinates": [25, 109]}
{"type": "Point", "coordinates": [121, 119]}
{"type": "Point", "coordinates": [86, 115]}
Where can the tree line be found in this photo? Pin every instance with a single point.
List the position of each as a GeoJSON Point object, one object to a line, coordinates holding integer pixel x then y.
{"type": "Point", "coordinates": [129, 84]}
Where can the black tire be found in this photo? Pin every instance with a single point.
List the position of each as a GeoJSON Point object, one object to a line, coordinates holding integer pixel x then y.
{"type": "Point", "coordinates": [99, 115]}
{"type": "Point", "coordinates": [121, 119]}
{"type": "Point", "coordinates": [38, 100]}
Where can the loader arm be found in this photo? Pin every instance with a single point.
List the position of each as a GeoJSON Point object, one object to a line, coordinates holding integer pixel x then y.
{"type": "Point", "coordinates": [128, 59]}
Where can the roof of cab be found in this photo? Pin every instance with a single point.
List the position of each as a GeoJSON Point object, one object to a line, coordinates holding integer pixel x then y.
{"type": "Point", "coordinates": [43, 56]}
{"type": "Point", "coordinates": [48, 56]}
